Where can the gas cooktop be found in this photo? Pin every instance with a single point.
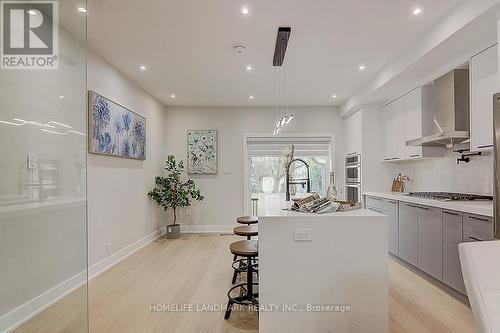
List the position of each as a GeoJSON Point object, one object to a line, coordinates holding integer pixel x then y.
{"type": "Point", "coordinates": [446, 196]}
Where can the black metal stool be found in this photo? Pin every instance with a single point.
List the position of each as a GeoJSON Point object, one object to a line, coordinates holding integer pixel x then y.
{"type": "Point", "coordinates": [239, 265]}
{"type": "Point", "coordinates": [249, 250]}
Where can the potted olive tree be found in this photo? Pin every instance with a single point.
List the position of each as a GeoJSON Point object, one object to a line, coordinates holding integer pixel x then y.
{"type": "Point", "coordinates": [172, 192]}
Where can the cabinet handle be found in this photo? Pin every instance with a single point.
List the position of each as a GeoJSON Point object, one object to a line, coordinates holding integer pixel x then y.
{"type": "Point", "coordinates": [484, 146]}
{"type": "Point", "coordinates": [422, 207]}
{"type": "Point", "coordinates": [450, 213]}
{"type": "Point", "coordinates": [410, 205]}
{"type": "Point", "coordinates": [393, 202]}
{"type": "Point", "coordinates": [418, 155]}
{"type": "Point", "coordinates": [476, 239]}
{"type": "Point", "coordinates": [479, 219]}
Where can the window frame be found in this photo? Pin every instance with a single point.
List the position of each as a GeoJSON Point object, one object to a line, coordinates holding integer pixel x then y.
{"type": "Point", "coordinates": [246, 190]}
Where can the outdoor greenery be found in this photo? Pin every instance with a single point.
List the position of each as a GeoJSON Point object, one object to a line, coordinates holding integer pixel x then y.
{"type": "Point", "coordinates": [272, 167]}
{"type": "Point", "coordinates": [171, 191]}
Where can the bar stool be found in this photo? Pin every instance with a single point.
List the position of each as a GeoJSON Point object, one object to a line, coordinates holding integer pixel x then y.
{"type": "Point", "coordinates": [249, 250]}
{"type": "Point", "coordinates": [248, 220]}
{"type": "Point", "coordinates": [247, 231]}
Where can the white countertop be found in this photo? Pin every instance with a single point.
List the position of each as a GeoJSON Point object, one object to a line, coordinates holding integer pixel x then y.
{"type": "Point", "coordinates": [484, 208]}
{"type": "Point", "coordinates": [274, 205]}
{"type": "Point", "coordinates": [481, 273]}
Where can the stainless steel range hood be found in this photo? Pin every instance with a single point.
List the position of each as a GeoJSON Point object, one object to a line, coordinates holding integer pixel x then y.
{"type": "Point", "coordinates": [450, 112]}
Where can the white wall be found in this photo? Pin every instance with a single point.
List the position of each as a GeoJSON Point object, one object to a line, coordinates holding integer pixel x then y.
{"type": "Point", "coordinates": [224, 191]}
{"type": "Point", "coordinates": [443, 174]}
{"type": "Point", "coordinates": [119, 210]}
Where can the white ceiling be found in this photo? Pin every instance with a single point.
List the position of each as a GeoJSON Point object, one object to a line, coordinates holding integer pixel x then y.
{"type": "Point", "coordinates": [187, 45]}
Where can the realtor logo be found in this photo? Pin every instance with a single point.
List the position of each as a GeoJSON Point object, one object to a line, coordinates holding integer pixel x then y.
{"type": "Point", "coordinates": [29, 35]}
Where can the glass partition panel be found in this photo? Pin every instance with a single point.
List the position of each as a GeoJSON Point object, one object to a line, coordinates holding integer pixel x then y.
{"type": "Point", "coordinates": [43, 228]}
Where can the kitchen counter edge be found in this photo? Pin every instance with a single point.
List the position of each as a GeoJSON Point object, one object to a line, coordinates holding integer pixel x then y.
{"type": "Point", "coordinates": [484, 208]}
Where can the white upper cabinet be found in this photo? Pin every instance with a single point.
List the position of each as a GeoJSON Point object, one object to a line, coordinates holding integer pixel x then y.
{"type": "Point", "coordinates": [483, 81]}
{"type": "Point", "coordinates": [406, 119]}
{"type": "Point", "coordinates": [353, 129]}
{"type": "Point", "coordinates": [413, 122]}
{"type": "Point", "coordinates": [393, 131]}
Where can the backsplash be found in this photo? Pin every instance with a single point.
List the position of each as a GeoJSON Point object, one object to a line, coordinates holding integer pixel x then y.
{"type": "Point", "coordinates": [443, 174]}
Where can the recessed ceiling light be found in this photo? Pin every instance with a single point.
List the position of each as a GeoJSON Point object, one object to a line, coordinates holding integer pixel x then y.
{"type": "Point", "coordinates": [32, 12]}
{"type": "Point", "coordinates": [143, 68]}
{"type": "Point", "coordinates": [244, 10]}
{"type": "Point", "coordinates": [362, 67]}
{"type": "Point", "coordinates": [82, 9]}
{"type": "Point", "coordinates": [251, 97]}
{"type": "Point", "coordinates": [249, 68]}
{"type": "Point", "coordinates": [172, 96]}
{"type": "Point", "coordinates": [61, 96]}
{"type": "Point", "coordinates": [417, 11]}
{"type": "Point", "coordinates": [334, 96]}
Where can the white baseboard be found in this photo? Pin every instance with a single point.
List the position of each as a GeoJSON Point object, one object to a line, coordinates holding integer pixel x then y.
{"type": "Point", "coordinates": [117, 257]}
{"type": "Point", "coordinates": [207, 229]}
{"type": "Point", "coordinates": [25, 312]}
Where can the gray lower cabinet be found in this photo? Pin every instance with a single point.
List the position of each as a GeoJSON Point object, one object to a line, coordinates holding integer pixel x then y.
{"type": "Point", "coordinates": [477, 228]}
{"type": "Point", "coordinates": [430, 241]}
{"type": "Point", "coordinates": [390, 209]}
{"type": "Point", "coordinates": [452, 236]}
{"type": "Point", "coordinates": [392, 213]}
{"type": "Point", "coordinates": [408, 230]}
{"type": "Point", "coordinates": [428, 237]}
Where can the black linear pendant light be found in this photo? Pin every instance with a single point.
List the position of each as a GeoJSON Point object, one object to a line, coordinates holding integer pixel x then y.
{"type": "Point", "coordinates": [281, 118]}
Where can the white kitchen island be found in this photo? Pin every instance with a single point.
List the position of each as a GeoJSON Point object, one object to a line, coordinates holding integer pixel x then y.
{"type": "Point", "coordinates": [336, 282]}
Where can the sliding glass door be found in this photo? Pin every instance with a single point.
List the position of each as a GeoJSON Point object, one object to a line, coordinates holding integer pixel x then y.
{"type": "Point", "coordinates": [266, 165]}
{"type": "Point", "coordinates": [43, 229]}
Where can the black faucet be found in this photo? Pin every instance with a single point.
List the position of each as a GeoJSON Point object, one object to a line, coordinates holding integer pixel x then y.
{"type": "Point", "coordinates": [465, 157]}
{"type": "Point", "coordinates": [302, 181]}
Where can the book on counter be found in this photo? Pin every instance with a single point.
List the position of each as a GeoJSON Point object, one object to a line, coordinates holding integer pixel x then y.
{"type": "Point", "coordinates": [315, 204]}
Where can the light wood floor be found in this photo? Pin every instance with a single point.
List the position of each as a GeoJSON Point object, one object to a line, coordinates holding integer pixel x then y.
{"type": "Point", "coordinates": [196, 269]}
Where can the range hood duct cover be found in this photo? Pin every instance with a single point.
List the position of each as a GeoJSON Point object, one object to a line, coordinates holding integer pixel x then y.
{"type": "Point", "coordinates": [450, 118]}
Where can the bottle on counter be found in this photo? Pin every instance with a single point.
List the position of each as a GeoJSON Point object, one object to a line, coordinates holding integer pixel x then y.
{"type": "Point", "coordinates": [332, 192]}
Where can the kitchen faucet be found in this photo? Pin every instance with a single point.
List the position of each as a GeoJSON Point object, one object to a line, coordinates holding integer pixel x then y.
{"type": "Point", "coordinates": [301, 181]}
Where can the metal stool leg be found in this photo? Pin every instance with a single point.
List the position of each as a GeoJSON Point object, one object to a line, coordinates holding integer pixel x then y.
{"type": "Point", "coordinates": [235, 275]}
{"type": "Point", "coordinates": [228, 310]}
{"type": "Point", "coordinates": [247, 295]}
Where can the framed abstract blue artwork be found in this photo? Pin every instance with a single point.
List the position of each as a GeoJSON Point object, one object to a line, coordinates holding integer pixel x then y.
{"type": "Point", "coordinates": [115, 130]}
